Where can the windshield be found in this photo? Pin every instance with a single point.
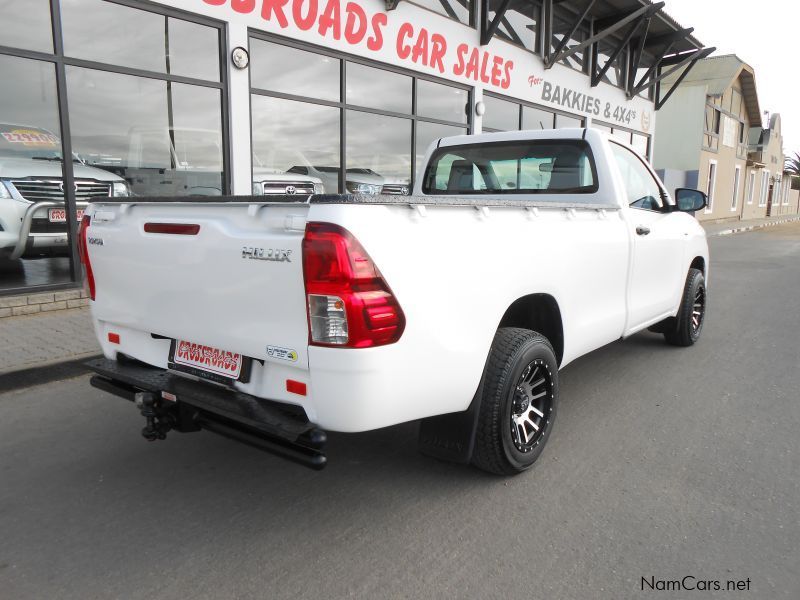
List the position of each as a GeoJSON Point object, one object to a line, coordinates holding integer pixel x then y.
{"type": "Point", "coordinates": [517, 167]}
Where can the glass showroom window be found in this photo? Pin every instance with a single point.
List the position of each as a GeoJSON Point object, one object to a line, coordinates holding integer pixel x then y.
{"type": "Point", "coordinates": [153, 117]}
{"type": "Point", "coordinates": [333, 112]}
{"type": "Point", "coordinates": [35, 241]}
{"type": "Point", "coordinates": [505, 115]}
{"type": "Point", "coordinates": [537, 118]}
{"type": "Point", "coordinates": [26, 25]}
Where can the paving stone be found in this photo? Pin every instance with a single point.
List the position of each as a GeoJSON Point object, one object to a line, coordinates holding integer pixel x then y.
{"type": "Point", "coordinates": [28, 341]}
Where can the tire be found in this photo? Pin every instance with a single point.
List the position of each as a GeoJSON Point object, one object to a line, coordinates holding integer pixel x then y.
{"type": "Point", "coordinates": [520, 383]}
{"type": "Point", "coordinates": [685, 328]}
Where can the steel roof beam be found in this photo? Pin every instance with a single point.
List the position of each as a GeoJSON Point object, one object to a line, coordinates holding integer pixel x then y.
{"type": "Point", "coordinates": [674, 59]}
{"type": "Point", "coordinates": [598, 76]}
{"type": "Point", "coordinates": [488, 29]}
{"type": "Point", "coordinates": [666, 38]}
{"type": "Point", "coordinates": [562, 53]}
{"type": "Point", "coordinates": [700, 54]}
{"type": "Point", "coordinates": [634, 88]}
{"type": "Point", "coordinates": [635, 59]}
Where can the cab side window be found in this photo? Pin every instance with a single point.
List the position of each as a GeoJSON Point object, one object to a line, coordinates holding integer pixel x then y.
{"type": "Point", "coordinates": [642, 189]}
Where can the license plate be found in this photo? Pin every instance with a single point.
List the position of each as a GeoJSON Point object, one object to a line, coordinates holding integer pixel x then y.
{"type": "Point", "coordinates": [59, 215]}
{"type": "Point", "coordinates": [209, 359]}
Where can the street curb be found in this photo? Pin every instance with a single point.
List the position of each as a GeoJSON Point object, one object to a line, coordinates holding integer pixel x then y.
{"type": "Point", "coordinates": [42, 374]}
{"type": "Point", "coordinates": [752, 227]}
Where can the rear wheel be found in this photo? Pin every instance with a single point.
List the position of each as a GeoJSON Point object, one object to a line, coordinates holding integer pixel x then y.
{"type": "Point", "coordinates": [518, 401]}
{"type": "Point", "coordinates": [685, 328]}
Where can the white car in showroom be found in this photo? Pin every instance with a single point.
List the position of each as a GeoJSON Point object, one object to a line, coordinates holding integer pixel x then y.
{"type": "Point", "coordinates": [33, 219]}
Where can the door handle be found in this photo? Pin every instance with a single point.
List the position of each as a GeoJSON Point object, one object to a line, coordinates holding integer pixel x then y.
{"type": "Point", "coordinates": [642, 230]}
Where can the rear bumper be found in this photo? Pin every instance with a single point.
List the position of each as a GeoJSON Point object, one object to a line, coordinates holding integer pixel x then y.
{"type": "Point", "coordinates": [276, 428]}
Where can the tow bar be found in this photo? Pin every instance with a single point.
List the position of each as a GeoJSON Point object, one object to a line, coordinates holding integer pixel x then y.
{"type": "Point", "coordinates": [170, 402]}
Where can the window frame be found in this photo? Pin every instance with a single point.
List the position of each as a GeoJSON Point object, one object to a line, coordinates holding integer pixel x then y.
{"type": "Point", "coordinates": [764, 190]}
{"type": "Point", "coordinates": [737, 181]}
{"type": "Point", "coordinates": [751, 185]}
{"type": "Point", "coordinates": [522, 103]}
{"type": "Point", "coordinates": [343, 106]}
{"type": "Point", "coordinates": [711, 185]}
{"type": "Point", "coordinates": [61, 62]}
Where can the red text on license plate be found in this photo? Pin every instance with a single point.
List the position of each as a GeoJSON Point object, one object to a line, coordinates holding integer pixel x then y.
{"type": "Point", "coordinates": [59, 215]}
{"type": "Point", "coordinates": [213, 360]}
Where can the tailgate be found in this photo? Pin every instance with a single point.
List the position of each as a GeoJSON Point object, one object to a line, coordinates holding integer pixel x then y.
{"type": "Point", "coordinates": [236, 284]}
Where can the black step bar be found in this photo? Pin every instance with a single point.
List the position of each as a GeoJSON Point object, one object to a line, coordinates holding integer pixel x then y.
{"type": "Point", "coordinates": [273, 427]}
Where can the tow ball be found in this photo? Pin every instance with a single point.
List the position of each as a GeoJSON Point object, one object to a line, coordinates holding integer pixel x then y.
{"type": "Point", "coordinates": [159, 419]}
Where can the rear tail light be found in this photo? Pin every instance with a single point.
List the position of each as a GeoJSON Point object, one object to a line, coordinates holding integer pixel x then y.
{"type": "Point", "coordinates": [83, 251]}
{"type": "Point", "coordinates": [349, 303]}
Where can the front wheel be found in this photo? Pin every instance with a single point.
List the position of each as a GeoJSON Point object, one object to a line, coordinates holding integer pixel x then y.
{"type": "Point", "coordinates": [685, 328]}
{"type": "Point", "coordinates": [518, 398]}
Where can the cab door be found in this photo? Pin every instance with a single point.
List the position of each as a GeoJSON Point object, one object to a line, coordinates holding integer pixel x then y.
{"type": "Point", "coordinates": [659, 238]}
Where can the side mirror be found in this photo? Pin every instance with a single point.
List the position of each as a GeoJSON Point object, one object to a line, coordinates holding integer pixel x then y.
{"type": "Point", "coordinates": [689, 200]}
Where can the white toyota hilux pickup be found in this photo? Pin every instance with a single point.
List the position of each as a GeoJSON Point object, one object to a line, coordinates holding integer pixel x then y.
{"type": "Point", "coordinates": [272, 319]}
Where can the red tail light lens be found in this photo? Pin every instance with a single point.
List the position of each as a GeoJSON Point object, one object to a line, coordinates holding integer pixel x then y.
{"type": "Point", "coordinates": [83, 251]}
{"type": "Point", "coordinates": [349, 303]}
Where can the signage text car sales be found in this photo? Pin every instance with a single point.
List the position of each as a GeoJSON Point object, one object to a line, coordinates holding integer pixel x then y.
{"type": "Point", "coordinates": [348, 21]}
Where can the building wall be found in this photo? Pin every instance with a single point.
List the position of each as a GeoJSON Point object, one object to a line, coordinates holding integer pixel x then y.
{"type": "Point", "coordinates": [770, 194]}
{"type": "Point", "coordinates": [724, 149]}
{"type": "Point", "coordinates": [680, 130]}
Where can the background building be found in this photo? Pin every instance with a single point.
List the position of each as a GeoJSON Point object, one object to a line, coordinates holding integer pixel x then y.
{"type": "Point", "coordinates": [704, 132]}
{"type": "Point", "coordinates": [710, 137]}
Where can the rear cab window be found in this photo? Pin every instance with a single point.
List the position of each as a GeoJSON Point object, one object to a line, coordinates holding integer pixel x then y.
{"type": "Point", "coordinates": [514, 167]}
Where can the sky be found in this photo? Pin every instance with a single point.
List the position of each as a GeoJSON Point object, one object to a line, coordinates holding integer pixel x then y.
{"type": "Point", "coordinates": [764, 34]}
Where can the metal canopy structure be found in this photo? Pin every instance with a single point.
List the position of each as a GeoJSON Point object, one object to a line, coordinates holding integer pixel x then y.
{"type": "Point", "coordinates": [637, 32]}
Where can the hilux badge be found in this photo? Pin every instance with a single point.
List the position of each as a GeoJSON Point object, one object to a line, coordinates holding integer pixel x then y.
{"type": "Point", "coordinates": [270, 254]}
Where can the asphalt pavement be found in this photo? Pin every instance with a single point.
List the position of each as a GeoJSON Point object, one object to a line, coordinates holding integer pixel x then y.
{"type": "Point", "coordinates": [664, 464]}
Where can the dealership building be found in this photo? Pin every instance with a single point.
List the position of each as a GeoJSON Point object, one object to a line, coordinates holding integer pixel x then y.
{"type": "Point", "coordinates": [217, 97]}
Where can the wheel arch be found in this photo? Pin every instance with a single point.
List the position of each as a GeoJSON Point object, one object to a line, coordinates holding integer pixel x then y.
{"type": "Point", "coordinates": [699, 263]}
{"type": "Point", "coordinates": [540, 313]}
